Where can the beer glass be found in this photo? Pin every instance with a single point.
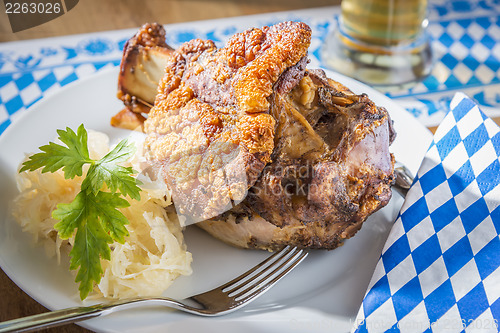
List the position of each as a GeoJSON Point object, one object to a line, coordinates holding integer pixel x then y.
{"type": "Point", "coordinates": [380, 42]}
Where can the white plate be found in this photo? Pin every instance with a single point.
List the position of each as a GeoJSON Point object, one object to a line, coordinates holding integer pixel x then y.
{"type": "Point", "coordinates": [322, 295]}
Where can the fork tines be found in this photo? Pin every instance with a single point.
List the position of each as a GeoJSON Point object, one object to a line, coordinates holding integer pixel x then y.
{"type": "Point", "coordinates": [264, 275]}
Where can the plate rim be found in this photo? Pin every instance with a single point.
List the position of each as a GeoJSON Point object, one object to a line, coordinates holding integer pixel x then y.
{"type": "Point", "coordinates": [46, 100]}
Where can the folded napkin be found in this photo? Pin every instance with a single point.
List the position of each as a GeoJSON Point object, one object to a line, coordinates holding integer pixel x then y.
{"type": "Point", "coordinates": [440, 268]}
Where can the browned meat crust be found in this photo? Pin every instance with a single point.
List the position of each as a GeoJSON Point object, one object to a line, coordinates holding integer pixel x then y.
{"type": "Point", "coordinates": [210, 127]}
{"type": "Point", "coordinates": [145, 56]}
{"type": "Point", "coordinates": [314, 155]}
{"type": "Point", "coordinates": [128, 119]}
{"type": "Point", "coordinates": [330, 170]}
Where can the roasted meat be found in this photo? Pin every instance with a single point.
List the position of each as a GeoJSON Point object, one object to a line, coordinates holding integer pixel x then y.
{"type": "Point", "coordinates": [210, 129]}
{"type": "Point", "coordinates": [331, 168]}
{"type": "Point", "coordinates": [261, 151]}
{"type": "Point", "coordinates": [145, 56]}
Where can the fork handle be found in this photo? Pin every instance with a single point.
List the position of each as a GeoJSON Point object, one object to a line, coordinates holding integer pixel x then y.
{"type": "Point", "coordinates": [71, 315]}
{"type": "Point", "coordinates": [51, 319]}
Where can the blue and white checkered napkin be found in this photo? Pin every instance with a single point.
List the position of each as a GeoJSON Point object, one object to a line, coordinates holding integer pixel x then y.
{"type": "Point", "coordinates": [440, 268]}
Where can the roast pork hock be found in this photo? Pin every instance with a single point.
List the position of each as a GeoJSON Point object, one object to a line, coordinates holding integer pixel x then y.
{"type": "Point", "coordinates": [257, 149]}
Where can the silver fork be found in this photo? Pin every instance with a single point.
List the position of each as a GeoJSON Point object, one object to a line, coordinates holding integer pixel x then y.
{"type": "Point", "coordinates": [221, 300]}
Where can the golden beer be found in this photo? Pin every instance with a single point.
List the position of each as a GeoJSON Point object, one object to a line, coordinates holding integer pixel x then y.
{"type": "Point", "coordinates": [380, 42]}
{"type": "Point", "coordinates": [383, 22]}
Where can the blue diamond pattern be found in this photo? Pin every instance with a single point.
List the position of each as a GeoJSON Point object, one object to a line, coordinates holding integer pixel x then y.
{"type": "Point", "coordinates": [431, 83]}
{"type": "Point", "coordinates": [464, 23]}
{"type": "Point", "coordinates": [474, 303]}
{"type": "Point", "coordinates": [446, 39]}
{"type": "Point", "coordinates": [492, 63]}
{"type": "Point", "coordinates": [461, 6]}
{"type": "Point", "coordinates": [487, 259]}
{"type": "Point", "coordinates": [407, 298]}
{"type": "Point", "coordinates": [449, 265]}
{"type": "Point", "coordinates": [395, 253]}
{"type": "Point", "coordinates": [444, 214]}
{"type": "Point", "coordinates": [495, 140]}
{"type": "Point", "coordinates": [476, 140]}
{"type": "Point", "coordinates": [424, 255]}
{"type": "Point", "coordinates": [382, 292]}
{"type": "Point", "coordinates": [462, 109]}
{"type": "Point", "coordinates": [488, 42]}
{"type": "Point", "coordinates": [462, 178]}
{"type": "Point", "coordinates": [484, 179]}
{"type": "Point", "coordinates": [484, 22]}
{"type": "Point", "coordinates": [449, 60]}
{"type": "Point", "coordinates": [495, 310]}
{"type": "Point", "coordinates": [495, 216]}
{"type": "Point", "coordinates": [452, 81]}
{"type": "Point", "coordinates": [415, 214]}
{"type": "Point", "coordinates": [433, 178]}
{"type": "Point", "coordinates": [474, 214]}
{"type": "Point", "coordinates": [471, 62]}
{"type": "Point", "coordinates": [457, 256]}
{"type": "Point", "coordinates": [68, 79]}
{"type": "Point", "coordinates": [4, 79]}
{"type": "Point", "coordinates": [4, 125]}
{"type": "Point", "coordinates": [448, 142]}
{"type": "Point", "coordinates": [440, 301]}
{"type": "Point", "coordinates": [14, 105]}
{"type": "Point", "coordinates": [24, 81]}
{"type": "Point", "coordinates": [48, 81]}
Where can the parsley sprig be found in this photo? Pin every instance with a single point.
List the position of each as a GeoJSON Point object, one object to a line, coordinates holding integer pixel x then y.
{"type": "Point", "coordinates": [94, 211]}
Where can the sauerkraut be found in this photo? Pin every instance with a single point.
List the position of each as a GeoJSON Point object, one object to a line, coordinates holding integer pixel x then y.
{"type": "Point", "coordinates": [153, 255]}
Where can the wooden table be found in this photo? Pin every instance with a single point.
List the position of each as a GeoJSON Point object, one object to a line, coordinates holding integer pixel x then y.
{"type": "Point", "coordinates": [101, 15]}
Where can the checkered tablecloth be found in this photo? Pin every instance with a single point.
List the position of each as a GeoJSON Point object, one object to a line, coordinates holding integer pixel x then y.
{"type": "Point", "coordinates": [440, 268]}
{"type": "Point", "coordinates": [465, 37]}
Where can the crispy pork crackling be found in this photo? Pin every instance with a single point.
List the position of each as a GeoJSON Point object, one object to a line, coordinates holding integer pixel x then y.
{"type": "Point", "coordinates": [264, 152]}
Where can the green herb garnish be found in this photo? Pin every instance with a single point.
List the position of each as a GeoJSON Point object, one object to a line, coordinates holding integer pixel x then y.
{"type": "Point", "coordinates": [94, 211]}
